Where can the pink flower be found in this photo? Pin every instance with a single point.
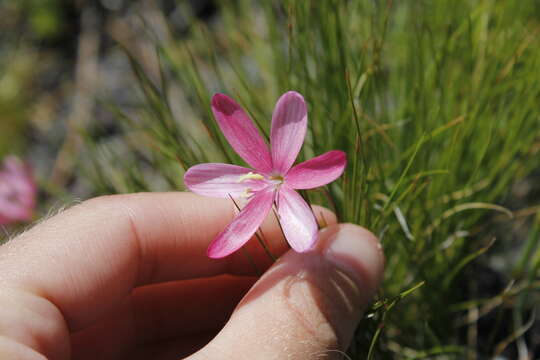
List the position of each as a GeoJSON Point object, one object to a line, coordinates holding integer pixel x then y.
{"type": "Point", "coordinates": [272, 180]}
{"type": "Point", "coordinates": [17, 191]}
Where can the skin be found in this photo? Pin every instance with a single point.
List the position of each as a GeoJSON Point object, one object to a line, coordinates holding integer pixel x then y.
{"type": "Point", "coordinates": [127, 277]}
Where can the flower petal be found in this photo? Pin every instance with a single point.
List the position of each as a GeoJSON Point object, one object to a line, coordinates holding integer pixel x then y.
{"type": "Point", "coordinates": [296, 219]}
{"type": "Point", "coordinates": [13, 211]}
{"type": "Point", "coordinates": [5, 220]}
{"type": "Point", "coordinates": [242, 228]}
{"type": "Point", "coordinates": [318, 171]}
{"type": "Point", "coordinates": [241, 133]}
{"type": "Point", "coordinates": [221, 180]}
{"type": "Point", "coordinates": [19, 175]}
{"type": "Point", "coordinates": [289, 125]}
{"type": "Point", "coordinates": [17, 191]}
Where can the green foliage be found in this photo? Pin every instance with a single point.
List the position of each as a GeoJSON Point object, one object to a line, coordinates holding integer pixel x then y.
{"type": "Point", "coordinates": [435, 103]}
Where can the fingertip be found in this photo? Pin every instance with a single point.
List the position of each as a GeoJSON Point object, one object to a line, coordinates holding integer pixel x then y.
{"type": "Point", "coordinates": [310, 302]}
{"type": "Point", "coordinates": [355, 250]}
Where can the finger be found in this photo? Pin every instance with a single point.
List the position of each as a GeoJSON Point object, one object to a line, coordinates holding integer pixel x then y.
{"type": "Point", "coordinates": [160, 313]}
{"type": "Point", "coordinates": [172, 349]}
{"type": "Point", "coordinates": [10, 349]}
{"type": "Point", "coordinates": [84, 262]}
{"type": "Point", "coordinates": [307, 305]}
{"type": "Point", "coordinates": [87, 259]}
{"type": "Point", "coordinates": [174, 309]}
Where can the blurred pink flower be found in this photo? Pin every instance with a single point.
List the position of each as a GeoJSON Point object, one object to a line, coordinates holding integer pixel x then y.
{"type": "Point", "coordinates": [272, 180]}
{"type": "Point", "coordinates": [17, 191]}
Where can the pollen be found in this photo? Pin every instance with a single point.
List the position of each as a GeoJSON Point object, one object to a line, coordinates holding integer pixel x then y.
{"type": "Point", "coordinates": [277, 178]}
{"type": "Point", "coordinates": [247, 193]}
{"type": "Point", "coordinates": [250, 176]}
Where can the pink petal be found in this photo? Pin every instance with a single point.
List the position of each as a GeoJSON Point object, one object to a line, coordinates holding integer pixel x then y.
{"type": "Point", "coordinates": [17, 191]}
{"type": "Point", "coordinates": [242, 228]}
{"type": "Point", "coordinates": [241, 133]}
{"type": "Point", "coordinates": [11, 211]}
{"type": "Point", "coordinates": [5, 220]}
{"type": "Point", "coordinates": [318, 171]}
{"type": "Point", "coordinates": [296, 219]}
{"type": "Point", "coordinates": [221, 180]}
{"type": "Point", "coordinates": [289, 125]}
{"type": "Point", "coordinates": [19, 175]}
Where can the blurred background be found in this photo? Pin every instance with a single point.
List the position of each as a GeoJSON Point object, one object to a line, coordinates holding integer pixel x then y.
{"type": "Point", "coordinates": [60, 60]}
{"type": "Point", "coordinates": [437, 104]}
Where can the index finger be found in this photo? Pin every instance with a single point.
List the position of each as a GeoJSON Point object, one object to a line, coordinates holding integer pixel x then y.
{"type": "Point", "coordinates": [88, 258]}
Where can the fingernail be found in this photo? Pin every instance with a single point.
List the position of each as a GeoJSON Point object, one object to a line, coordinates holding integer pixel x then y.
{"type": "Point", "coordinates": [359, 253]}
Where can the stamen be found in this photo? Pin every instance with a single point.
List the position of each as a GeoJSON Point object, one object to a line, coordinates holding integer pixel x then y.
{"type": "Point", "coordinates": [277, 178]}
{"type": "Point", "coordinates": [247, 193]}
{"type": "Point", "coordinates": [250, 176]}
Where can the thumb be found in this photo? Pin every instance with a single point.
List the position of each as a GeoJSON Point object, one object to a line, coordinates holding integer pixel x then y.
{"type": "Point", "coordinates": [307, 305]}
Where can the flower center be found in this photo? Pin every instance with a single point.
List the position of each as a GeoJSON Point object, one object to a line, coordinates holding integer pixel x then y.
{"type": "Point", "coordinates": [277, 178]}
{"type": "Point", "coordinates": [273, 180]}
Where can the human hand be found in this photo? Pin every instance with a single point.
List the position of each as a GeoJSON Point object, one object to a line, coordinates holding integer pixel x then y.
{"type": "Point", "coordinates": [127, 276]}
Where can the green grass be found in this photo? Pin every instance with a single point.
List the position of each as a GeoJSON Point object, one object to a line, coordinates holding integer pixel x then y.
{"type": "Point", "coordinates": [436, 104]}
